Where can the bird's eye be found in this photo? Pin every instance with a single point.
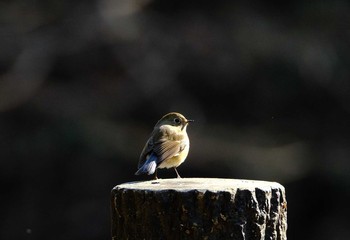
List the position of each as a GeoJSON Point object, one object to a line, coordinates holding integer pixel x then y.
{"type": "Point", "coordinates": [176, 120]}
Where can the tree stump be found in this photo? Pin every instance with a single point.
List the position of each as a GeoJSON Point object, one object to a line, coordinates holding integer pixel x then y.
{"type": "Point", "coordinates": [199, 208]}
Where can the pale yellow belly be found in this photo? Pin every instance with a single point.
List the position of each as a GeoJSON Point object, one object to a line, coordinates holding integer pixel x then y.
{"type": "Point", "coordinates": [176, 160]}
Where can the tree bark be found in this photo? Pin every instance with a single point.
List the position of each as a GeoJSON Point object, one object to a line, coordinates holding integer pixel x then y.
{"type": "Point", "coordinates": [199, 208]}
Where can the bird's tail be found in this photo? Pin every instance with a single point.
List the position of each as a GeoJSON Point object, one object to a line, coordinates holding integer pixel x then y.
{"type": "Point", "coordinates": [149, 166]}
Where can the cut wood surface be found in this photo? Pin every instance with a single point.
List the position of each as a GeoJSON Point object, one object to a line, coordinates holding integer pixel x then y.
{"type": "Point", "coordinates": [199, 208]}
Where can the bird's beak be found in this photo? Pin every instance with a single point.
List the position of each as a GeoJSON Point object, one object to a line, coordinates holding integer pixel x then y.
{"type": "Point", "coordinates": [187, 122]}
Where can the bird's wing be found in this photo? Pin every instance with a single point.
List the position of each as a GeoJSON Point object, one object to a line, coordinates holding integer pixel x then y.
{"type": "Point", "coordinates": [164, 143]}
{"type": "Point", "coordinates": [168, 149]}
{"type": "Point", "coordinates": [169, 143]}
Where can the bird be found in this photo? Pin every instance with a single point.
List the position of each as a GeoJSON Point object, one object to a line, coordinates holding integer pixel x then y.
{"type": "Point", "coordinates": [167, 146]}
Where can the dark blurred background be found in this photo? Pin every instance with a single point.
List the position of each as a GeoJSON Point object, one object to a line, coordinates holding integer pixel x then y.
{"type": "Point", "coordinates": [82, 84]}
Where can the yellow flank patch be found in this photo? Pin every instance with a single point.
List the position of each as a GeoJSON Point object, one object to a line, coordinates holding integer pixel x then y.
{"type": "Point", "coordinates": [176, 160]}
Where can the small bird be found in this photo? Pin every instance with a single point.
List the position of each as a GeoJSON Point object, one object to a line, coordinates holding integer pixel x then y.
{"type": "Point", "coordinates": [167, 146]}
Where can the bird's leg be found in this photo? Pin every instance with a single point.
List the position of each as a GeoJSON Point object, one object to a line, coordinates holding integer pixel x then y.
{"type": "Point", "coordinates": [178, 175]}
{"type": "Point", "coordinates": [155, 175]}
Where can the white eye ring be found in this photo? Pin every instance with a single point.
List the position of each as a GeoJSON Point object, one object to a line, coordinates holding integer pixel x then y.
{"type": "Point", "coordinates": [176, 120]}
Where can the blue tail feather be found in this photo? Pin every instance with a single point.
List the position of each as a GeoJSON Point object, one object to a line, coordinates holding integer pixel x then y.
{"type": "Point", "coordinates": [149, 166]}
